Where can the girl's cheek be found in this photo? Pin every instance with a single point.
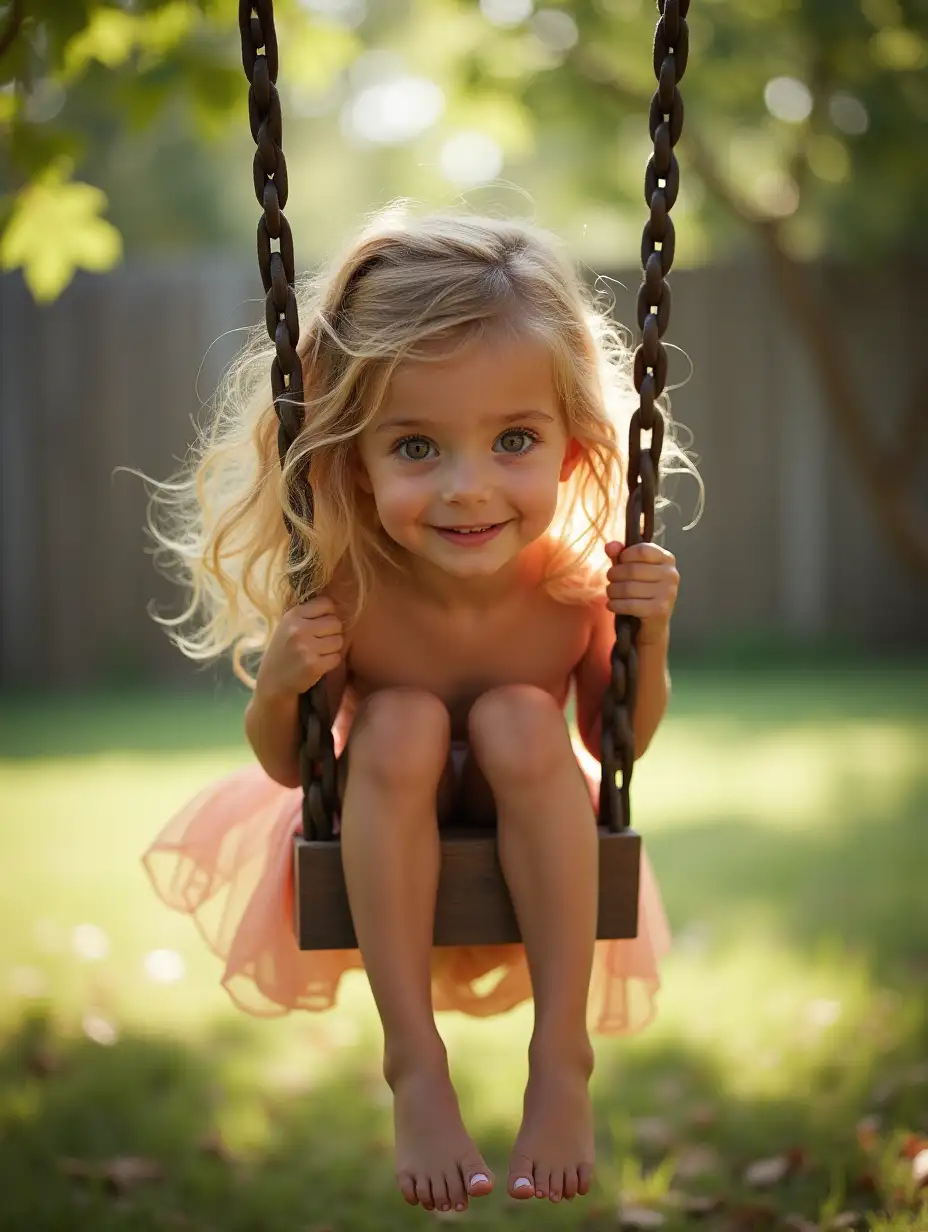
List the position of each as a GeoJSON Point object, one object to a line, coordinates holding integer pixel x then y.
{"type": "Point", "coordinates": [401, 499]}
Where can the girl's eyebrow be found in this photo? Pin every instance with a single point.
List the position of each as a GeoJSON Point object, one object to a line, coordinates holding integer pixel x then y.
{"type": "Point", "coordinates": [391, 424]}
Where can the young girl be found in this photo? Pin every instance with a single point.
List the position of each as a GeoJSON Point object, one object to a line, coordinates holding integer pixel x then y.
{"type": "Point", "coordinates": [466, 403]}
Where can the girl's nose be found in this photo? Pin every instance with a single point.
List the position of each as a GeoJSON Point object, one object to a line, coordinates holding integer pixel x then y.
{"type": "Point", "coordinates": [465, 480]}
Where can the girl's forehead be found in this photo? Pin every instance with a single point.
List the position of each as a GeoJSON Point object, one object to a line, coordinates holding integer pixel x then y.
{"type": "Point", "coordinates": [497, 369]}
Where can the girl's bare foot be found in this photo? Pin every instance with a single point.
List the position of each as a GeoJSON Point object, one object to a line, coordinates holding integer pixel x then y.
{"type": "Point", "coordinates": [553, 1154]}
{"type": "Point", "coordinates": [437, 1162]}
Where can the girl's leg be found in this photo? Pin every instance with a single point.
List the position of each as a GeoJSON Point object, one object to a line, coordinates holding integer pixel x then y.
{"type": "Point", "coordinates": [548, 848]}
{"type": "Point", "coordinates": [397, 752]}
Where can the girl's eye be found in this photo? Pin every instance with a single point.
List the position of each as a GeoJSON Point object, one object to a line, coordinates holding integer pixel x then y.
{"type": "Point", "coordinates": [515, 442]}
{"type": "Point", "coordinates": [518, 440]}
{"type": "Point", "coordinates": [417, 446]}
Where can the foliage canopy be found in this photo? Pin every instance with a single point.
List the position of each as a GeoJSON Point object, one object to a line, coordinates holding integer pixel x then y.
{"type": "Point", "coordinates": [806, 113]}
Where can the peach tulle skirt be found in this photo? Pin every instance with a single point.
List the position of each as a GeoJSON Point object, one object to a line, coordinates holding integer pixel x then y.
{"type": "Point", "coordinates": [225, 859]}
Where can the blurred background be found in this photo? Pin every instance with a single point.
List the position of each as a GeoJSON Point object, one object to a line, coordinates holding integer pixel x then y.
{"type": "Point", "coordinates": [785, 1081]}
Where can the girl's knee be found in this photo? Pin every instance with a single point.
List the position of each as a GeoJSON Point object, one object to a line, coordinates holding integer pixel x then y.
{"type": "Point", "coordinates": [519, 731]}
{"type": "Point", "coordinates": [400, 735]}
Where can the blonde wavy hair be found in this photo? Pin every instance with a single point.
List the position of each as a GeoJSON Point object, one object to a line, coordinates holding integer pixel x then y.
{"type": "Point", "coordinates": [402, 285]}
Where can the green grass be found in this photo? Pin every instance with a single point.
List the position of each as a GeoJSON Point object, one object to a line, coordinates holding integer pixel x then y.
{"type": "Point", "coordinates": [785, 815]}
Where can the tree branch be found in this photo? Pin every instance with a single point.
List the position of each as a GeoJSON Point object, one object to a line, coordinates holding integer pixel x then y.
{"type": "Point", "coordinates": [13, 24]}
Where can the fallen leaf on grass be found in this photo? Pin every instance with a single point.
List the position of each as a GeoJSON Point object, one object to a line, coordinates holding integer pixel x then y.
{"type": "Point", "coordinates": [913, 1146]}
{"type": "Point", "coordinates": [119, 1173]}
{"type": "Point", "coordinates": [639, 1218]}
{"type": "Point", "coordinates": [43, 1060]}
{"type": "Point", "coordinates": [752, 1218]}
{"type": "Point", "coordinates": [212, 1143]}
{"type": "Point", "coordinates": [799, 1223]}
{"type": "Point", "coordinates": [865, 1182]}
{"type": "Point", "coordinates": [670, 1089]}
{"type": "Point", "coordinates": [847, 1221]}
{"type": "Point", "coordinates": [694, 1204]}
{"type": "Point", "coordinates": [868, 1128]}
{"type": "Point", "coordinates": [703, 1116]}
{"type": "Point", "coordinates": [695, 1161]}
{"type": "Point", "coordinates": [653, 1132]}
{"type": "Point", "coordinates": [766, 1172]}
{"type": "Point", "coordinates": [920, 1169]}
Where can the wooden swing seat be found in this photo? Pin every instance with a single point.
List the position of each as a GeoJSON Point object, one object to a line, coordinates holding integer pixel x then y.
{"type": "Point", "coordinates": [473, 907]}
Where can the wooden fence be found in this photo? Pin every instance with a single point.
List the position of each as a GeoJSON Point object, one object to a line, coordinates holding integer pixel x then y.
{"type": "Point", "coordinates": [113, 374]}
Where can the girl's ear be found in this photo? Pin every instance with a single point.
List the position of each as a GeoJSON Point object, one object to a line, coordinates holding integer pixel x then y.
{"type": "Point", "coordinates": [572, 455]}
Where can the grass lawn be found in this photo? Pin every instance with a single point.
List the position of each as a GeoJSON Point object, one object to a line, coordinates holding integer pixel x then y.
{"type": "Point", "coordinates": [785, 813]}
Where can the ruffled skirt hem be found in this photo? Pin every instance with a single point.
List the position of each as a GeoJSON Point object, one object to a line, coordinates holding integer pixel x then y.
{"type": "Point", "coordinates": [225, 859]}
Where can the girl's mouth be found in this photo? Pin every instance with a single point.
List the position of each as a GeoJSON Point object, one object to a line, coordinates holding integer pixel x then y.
{"type": "Point", "coordinates": [471, 538]}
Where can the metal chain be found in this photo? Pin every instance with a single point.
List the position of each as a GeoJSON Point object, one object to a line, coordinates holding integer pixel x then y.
{"type": "Point", "coordinates": [256, 26]}
{"type": "Point", "coordinates": [661, 186]}
{"type": "Point", "coordinates": [662, 183]}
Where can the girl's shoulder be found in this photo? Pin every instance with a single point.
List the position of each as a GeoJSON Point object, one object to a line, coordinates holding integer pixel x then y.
{"type": "Point", "coordinates": [579, 582]}
{"type": "Point", "coordinates": [342, 589]}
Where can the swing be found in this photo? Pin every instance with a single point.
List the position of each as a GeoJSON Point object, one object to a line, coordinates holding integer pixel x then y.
{"type": "Point", "coordinates": [473, 906]}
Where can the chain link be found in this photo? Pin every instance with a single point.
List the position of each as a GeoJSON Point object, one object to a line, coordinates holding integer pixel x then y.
{"type": "Point", "coordinates": [256, 26]}
{"type": "Point", "coordinates": [658, 242]}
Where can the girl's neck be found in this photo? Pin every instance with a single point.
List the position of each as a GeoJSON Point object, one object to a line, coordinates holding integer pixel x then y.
{"type": "Point", "coordinates": [465, 595]}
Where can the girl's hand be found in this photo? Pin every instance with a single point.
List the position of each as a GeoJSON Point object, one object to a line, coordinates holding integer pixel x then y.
{"type": "Point", "coordinates": [306, 644]}
{"type": "Point", "coordinates": [643, 582]}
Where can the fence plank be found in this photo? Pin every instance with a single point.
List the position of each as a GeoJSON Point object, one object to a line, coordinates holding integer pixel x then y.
{"type": "Point", "coordinates": [20, 532]}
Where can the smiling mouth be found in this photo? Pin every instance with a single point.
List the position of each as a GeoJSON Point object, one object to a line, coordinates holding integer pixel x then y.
{"type": "Point", "coordinates": [471, 535]}
{"type": "Point", "coordinates": [470, 530]}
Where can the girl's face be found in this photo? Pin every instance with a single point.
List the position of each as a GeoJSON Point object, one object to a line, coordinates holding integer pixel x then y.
{"type": "Point", "coordinates": [473, 440]}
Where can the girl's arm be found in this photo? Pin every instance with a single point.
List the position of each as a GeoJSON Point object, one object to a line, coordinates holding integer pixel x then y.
{"type": "Point", "coordinates": [272, 728]}
{"type": "Point", "coordinates": [592, 675]}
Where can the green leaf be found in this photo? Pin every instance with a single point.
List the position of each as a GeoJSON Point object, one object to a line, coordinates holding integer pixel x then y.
{"type": "Point", "coordinates": [54, 229]}
{"type": "Point", "coordinates": [161, 32]}
{"type": "Point", "coordinates": [112, 36]}
{"type": "Point", "coordinates": [109, 37]}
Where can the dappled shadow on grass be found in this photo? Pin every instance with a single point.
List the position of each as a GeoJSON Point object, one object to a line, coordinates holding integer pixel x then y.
{"type": "Point", "coordinates": [218, 1147]}
{"type": "Point", "coordinates": [856, 881]}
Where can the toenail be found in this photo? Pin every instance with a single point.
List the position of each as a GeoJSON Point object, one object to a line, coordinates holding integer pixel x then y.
{"type": "Point", "coordinates": [460, 1207]}
{"type": "Point", "coordinates": [522, 1183]}
{"type": "Point", "coordinates": [479, 1179]}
